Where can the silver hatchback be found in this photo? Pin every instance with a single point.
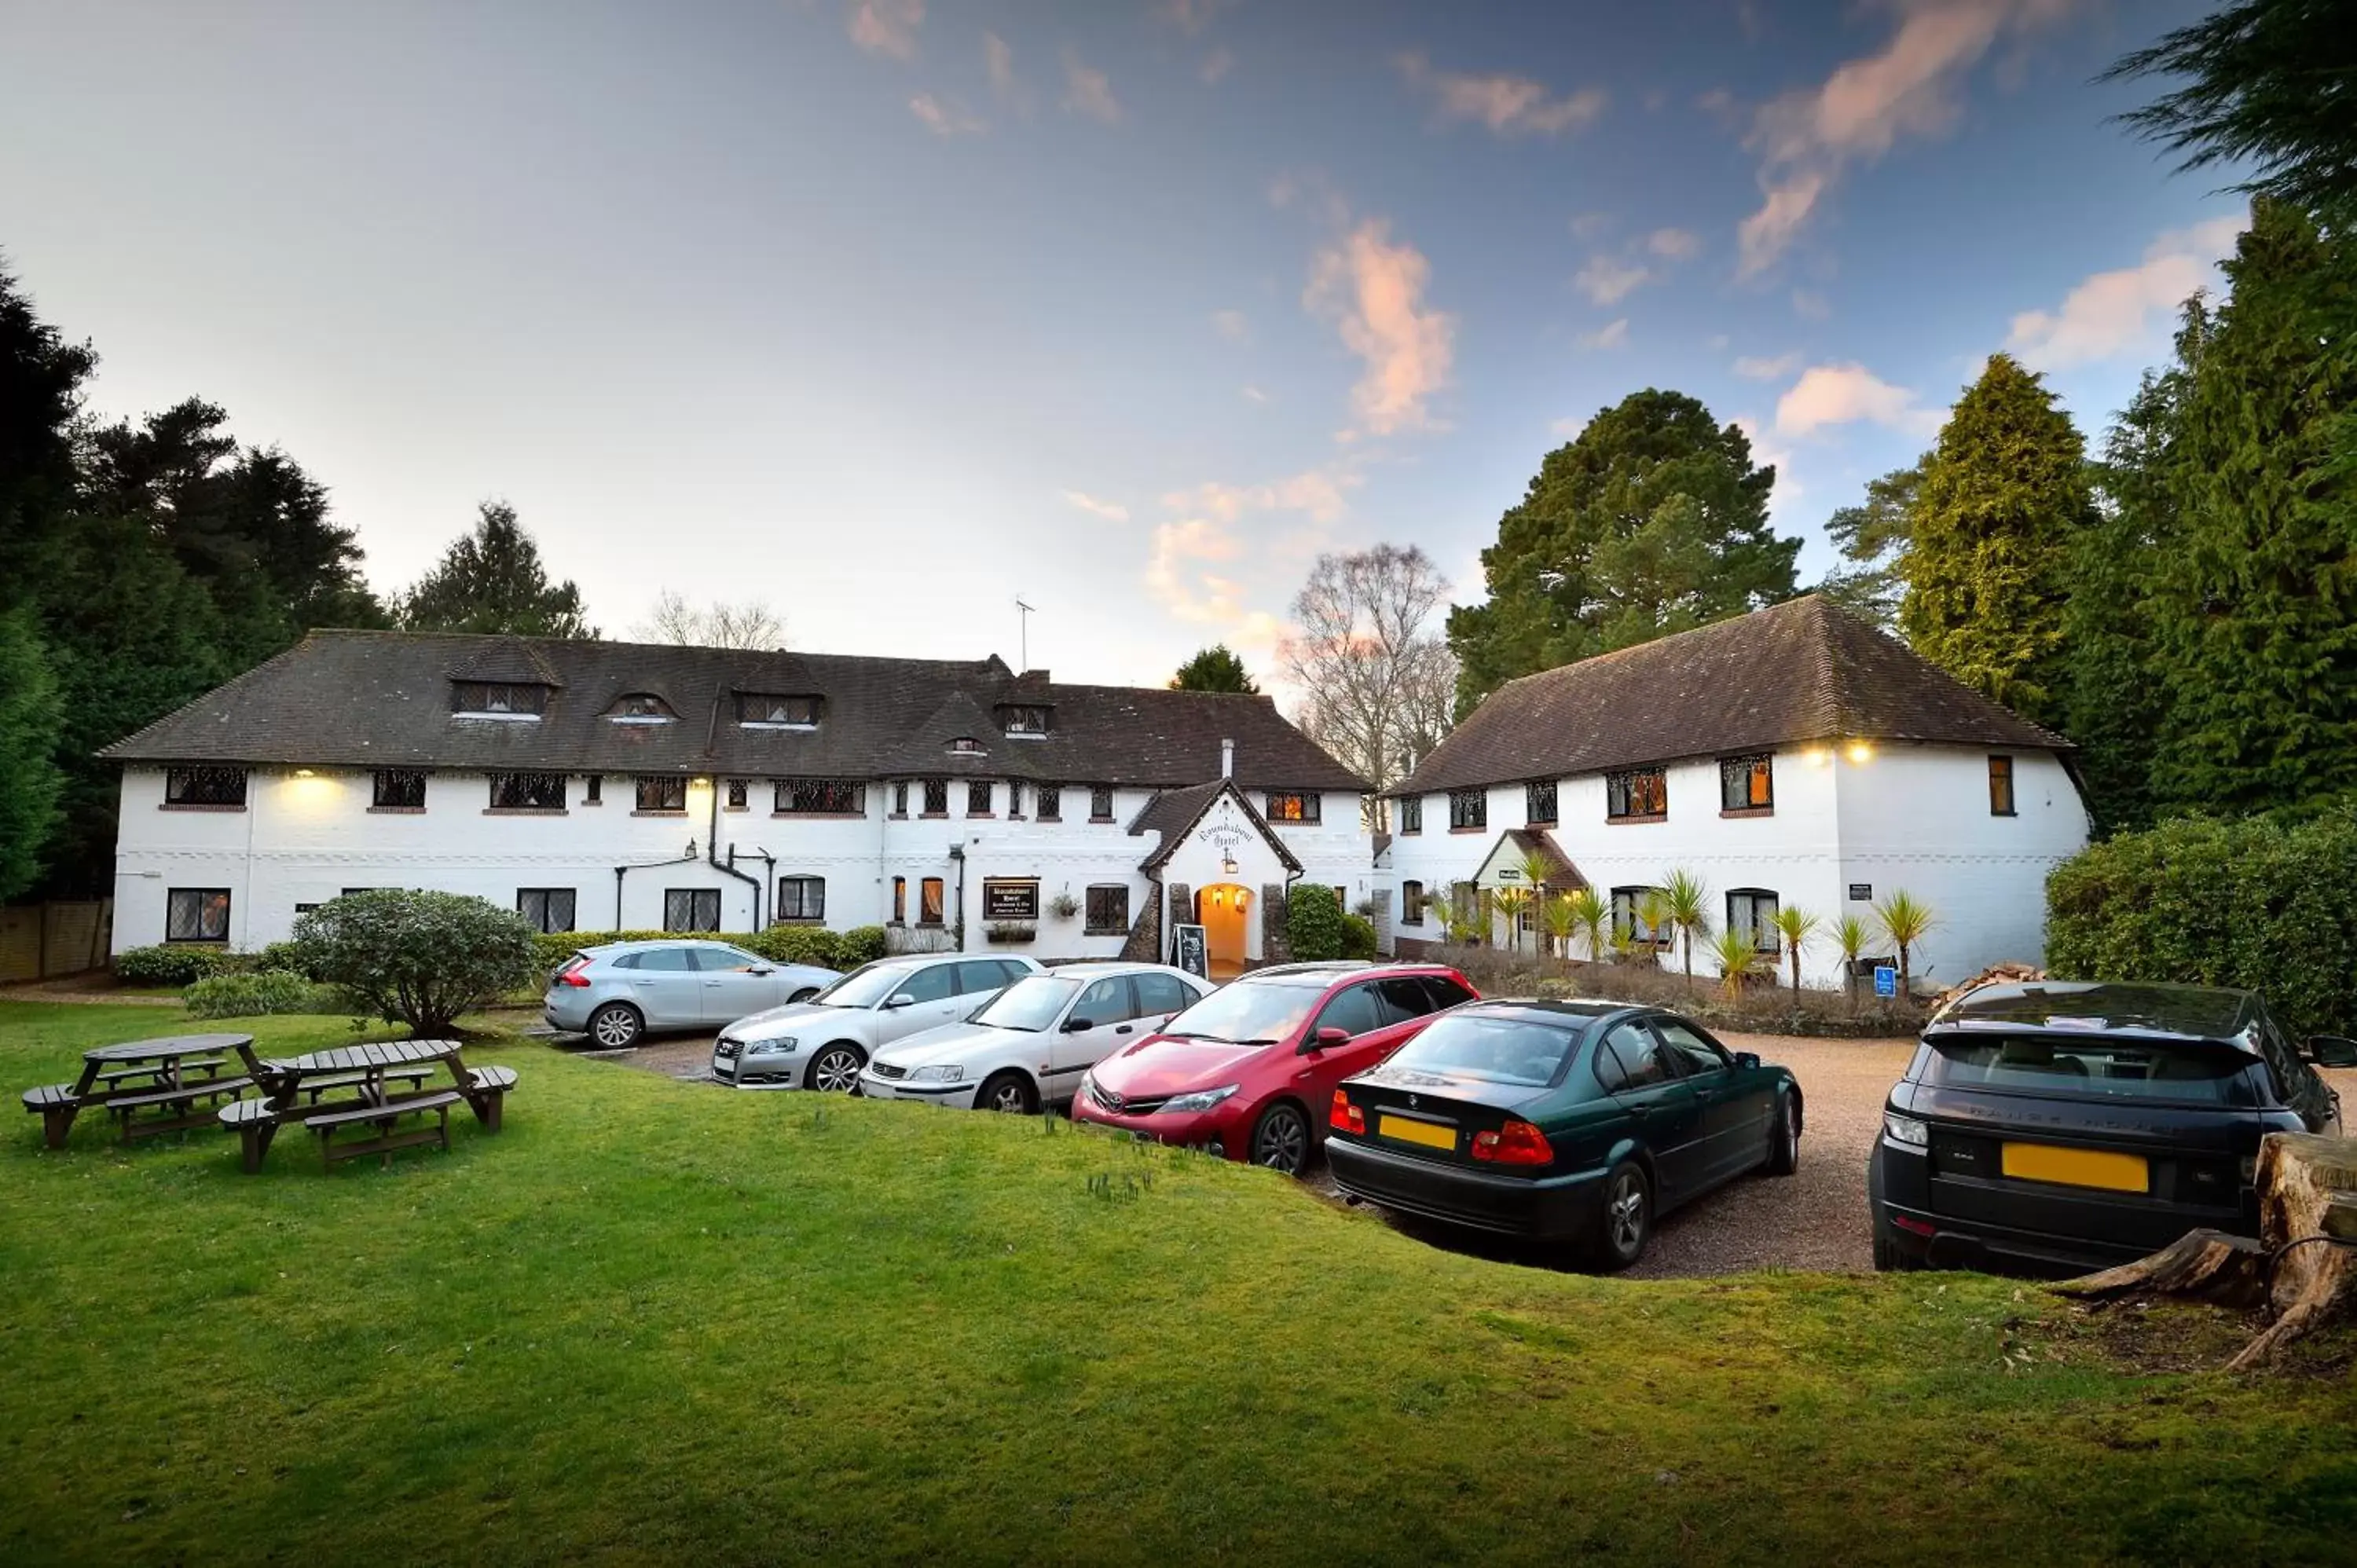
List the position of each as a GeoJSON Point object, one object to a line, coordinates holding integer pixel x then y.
{"type": "Point", "coordinates": [620, 993]}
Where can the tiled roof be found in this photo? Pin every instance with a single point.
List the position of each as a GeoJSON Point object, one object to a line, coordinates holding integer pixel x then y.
{"type": "Point", "coordinates": [363, 699]}
{"type": "Point", "coordinates": [1524, 842]}
{"type": "Point", "coordinates": [1174, 813]}
{"type": "Point", "coordinates": [1802, 671]}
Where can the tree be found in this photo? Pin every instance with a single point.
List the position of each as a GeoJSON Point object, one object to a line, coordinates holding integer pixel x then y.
{"type": "Point", "coordinates": [1737, 956]}
{"type": "Point", "coordinates": [30, 722]}
{"type": "Point", "coordinates": [1592, 914]}
{"type": "Point", "coordinates": [417, 957]}
{"type": "Point", "coordinates": [2255, 611]}
{"type": "Point", "coordinates": [1798, 928]}
{"type": "Point", "coordinates": [1852, 934]}
{"type": "Point", "coordinates": [1653, 520]}
{"type": "Point", "coordinates": [1510, 903]}
{"type": "Point", "coordinates": [1214, 669]}
{"type": "Point", "coordinates": [1874, 535]}
{"type": "Point", "coordinates": [1313, 923]}
{"type": "Point", "coordinates": [1378, 679]}
{"type": "Point", "coordinates": [1685, 902]}
{"type": "Point", "coordinates": [2001, 500]}
{"type": "Point", "coordinates": [41, 378]}
{"type": "Point", "coordinates": [2270, 87]}
{"type": "Point", "coordinates": [750, 625]}
{"type": "Point", "coordinates": [490, 580]}
{"type": "Point", "coordinates": [1906, 921]}
{"type": "Point", "coordinates": [1560, 918]}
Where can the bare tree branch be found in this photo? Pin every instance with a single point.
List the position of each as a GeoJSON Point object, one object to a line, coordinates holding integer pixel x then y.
{"type": "Point", "coordinates": [1379, 679]}
{"type": "Point", "coordinates": [752, 625]}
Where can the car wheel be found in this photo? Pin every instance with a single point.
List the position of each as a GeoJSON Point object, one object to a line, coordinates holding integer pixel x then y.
{"type": "Point", "coordinates": [804, 994]}
{"type": "Point", "coordinates": [1627, 1222]}
{"type": "Point", "coordinates": [1784, 1138]}
{"type": "Point", "coordinates": [1009, 1091]}
{"type": "Point", "coordinates": [617, 1027]}
{"type": "Point", "coordinates": [1281, 1140]}
{"type": "Point", "coordinates": [836, 1069]}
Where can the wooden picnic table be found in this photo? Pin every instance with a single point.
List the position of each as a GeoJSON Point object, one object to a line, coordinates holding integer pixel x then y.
{"type": "Point", "coordinates": [369, 1071]}
{"type": "Point", "coordinates": [168, 1075]}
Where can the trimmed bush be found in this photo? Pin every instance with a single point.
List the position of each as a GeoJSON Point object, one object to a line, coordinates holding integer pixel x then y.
{"type": "Point", "coordinates": [2265, 903]}
{"type": "Point", "coordinates": [418, 957]}
{"type": "Point", "coordinates": [286, 956]}
{"type": "Point", "coordinates": [1358, 936]}
{"type": "Point", "coordinates": [264, 991]}
{"type": "Point", "coordinates": [1313, 922]}
{"type": "Point", "coordinates": [783, 944]}
{"type": "Point", "coordinates": [172, 965]}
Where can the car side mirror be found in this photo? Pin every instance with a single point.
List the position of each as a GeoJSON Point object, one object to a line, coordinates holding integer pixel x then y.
{"type": "Point", "coordinates": [1325, 1039]}
{"type": "Point", "coordinates": [1078, 1025]}
{"type": "Point", "coordinates": [1746, 1060]}
{"type": "Point", "coordinates": [901, 999]}
{"type": "Point", "coordinates": [2331, 1050]}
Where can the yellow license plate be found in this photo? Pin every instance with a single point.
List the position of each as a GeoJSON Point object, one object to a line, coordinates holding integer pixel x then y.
{"type": "Point", "coordinates": [1424, 1133]}
{"type": "Point", "coordinates": [2077, 1167]}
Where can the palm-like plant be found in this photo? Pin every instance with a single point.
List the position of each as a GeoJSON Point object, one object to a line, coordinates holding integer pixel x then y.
{"type": "Point", "coordinates": [1653, 914]}
{"type": "Point", "coordinates": [1592, 914]}
{"type": "Point", "coordinates": [1738, 955]}
{"type": "Point", "coordinates": [1536, 869]}
{"type": "Point", "coordinates": [1562, 921]}
{"type": "Point", "coordinates": [1687, 899]}
{"type": "Point", "coordinates": [1905, 919]}
{"type": "Point", "coordinates": [1510, 902]}
{"type": "Point", "coordinates": [1851, 934]}
{"type": "Point", "coordinates": [1797, 926]}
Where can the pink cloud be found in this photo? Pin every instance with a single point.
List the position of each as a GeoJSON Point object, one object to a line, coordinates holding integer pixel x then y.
{"type": "Point", "coordinates": [1375, 289]}
{"type": "Point", "coordinates": [2116, 311]}
{"type": "Point", "coordinates": [1508, 105]}
{"type": "Point", "coordinates": [886, 27]}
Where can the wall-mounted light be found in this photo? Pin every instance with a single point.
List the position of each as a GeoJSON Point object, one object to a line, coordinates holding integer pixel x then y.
{"type": "Point", "coordinates": [691, 849]}
{"type": "Point", "coordinates": [1819, 756]}
{"type": "Point", "coordinates": [1860, 752]}
{"type": "Point", "coordinates": [1228, 863]}
{"type": "Point", "coordinates": [305, 773]}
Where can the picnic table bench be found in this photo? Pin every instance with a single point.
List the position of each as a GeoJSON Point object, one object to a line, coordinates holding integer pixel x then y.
{"type": "Point", "coordinates": [174, 1075]}
{"type": "Point", "coordinates": [367, 1070]}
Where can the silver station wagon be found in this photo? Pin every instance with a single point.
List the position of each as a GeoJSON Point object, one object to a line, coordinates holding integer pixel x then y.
{"type": "Point", "coordinates": [620, 993]}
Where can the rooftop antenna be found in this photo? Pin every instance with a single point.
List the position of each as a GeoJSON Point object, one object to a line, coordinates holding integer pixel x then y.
{"type": "Point", "coordinates": [1023, 636]}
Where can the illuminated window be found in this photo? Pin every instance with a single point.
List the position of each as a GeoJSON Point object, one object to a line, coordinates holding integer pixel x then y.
{"type": "Point", "coordinates": [1288, 806]}
{"type": "Point", "coordinates": [1639, 793]}
{"type": "Point", "coordinates": [1747, 783]}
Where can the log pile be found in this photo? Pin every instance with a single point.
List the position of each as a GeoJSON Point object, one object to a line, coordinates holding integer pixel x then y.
{"type": "Point", "coordinates": [1995, 974]}
{"type": "Point", "coordinates": [2303, 1268]}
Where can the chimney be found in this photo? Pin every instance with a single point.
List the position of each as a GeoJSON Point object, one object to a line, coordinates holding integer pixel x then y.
{"type": "Point", "coordinates": [1227, 759]}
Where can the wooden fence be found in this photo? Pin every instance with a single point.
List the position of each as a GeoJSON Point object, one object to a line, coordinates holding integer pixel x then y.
{"type": "Point", "coordinates": [41, 941]}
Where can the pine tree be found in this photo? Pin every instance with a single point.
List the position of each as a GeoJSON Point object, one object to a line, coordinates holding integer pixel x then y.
{"type": "Point", "coordinates": [2002, 498]}
{"type": "Point", "coordinates": [1874, 535]}
{"type": "Point", "coordinates": [1214, 669]}
{"type": "Point", "coordinates": [30, 719]}
{"type": "Point", "coordinates": [491, 580]}
{"type": "Point", "coordinates": [2256, 616]}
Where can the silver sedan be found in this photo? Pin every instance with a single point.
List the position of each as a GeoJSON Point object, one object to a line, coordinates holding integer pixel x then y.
{"type": "Point", "coordinates": [620, 993]}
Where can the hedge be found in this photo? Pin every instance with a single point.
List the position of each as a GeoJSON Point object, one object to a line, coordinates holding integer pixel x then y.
{"type": "Point", "coordinates": [174, 965]}
{"type": "Point", "coordinates": [1358, 938]}
{"type": "Point", "coordinates": [1313, 922]}
{"type": "Point", "coordinates": [265, 991]}
{"type": "Point", "coordinates": [2265, 903]}
{"type": "Point", "coordinates": [784, 944]}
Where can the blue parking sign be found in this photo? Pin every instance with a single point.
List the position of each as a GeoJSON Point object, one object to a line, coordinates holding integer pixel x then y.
{"type": "Point", "coordinates": [1886, 980]}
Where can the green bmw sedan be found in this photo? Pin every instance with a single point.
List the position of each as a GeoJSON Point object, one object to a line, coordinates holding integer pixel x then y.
{"type": "Point", "coordinates": [1573, 1121]}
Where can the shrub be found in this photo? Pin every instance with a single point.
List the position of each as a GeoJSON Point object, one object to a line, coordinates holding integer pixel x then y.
{"type": "Point", "coordinates": [288, 957]}
{"type": "Point", "coordinates": [1313, 922]}
{"type": "Point", "coordinates": [2265, 903]}
{"type": "Point", "coordinates": [1358, 936]}
{"type": "Point", "coordinates": [418, 957]}
{"type": "Point", "coordinates": [861, 944]}
{"type": "Point", "coordinates": [264, 991]}
{"type": "Point", "coordinates": [172, 965]}
{"type": "Point", "coordinates": [781, 944]}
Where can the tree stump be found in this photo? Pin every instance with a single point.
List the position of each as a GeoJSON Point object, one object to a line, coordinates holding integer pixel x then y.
{"type": "Point", "coordinates": [2301, 1266]}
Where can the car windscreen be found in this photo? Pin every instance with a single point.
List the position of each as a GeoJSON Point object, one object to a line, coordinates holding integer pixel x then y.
{"type": "Point", "coordinates": [2095, 1067]}
{"type": "Point", "coordinates": [1029, 1005]}
{"type": "Point", "coordinates": [1247, 1014]}
{"type": "Point", "coordinates": [1493, 1049]}
{"type": "Point", "coordinates": [864, 986]}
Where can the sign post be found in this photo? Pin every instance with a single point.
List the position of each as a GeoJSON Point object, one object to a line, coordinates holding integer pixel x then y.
{"type": "Point", "coordinates": [1189, 951]}
{"type": "Point", "coordinates": [1886, 980]}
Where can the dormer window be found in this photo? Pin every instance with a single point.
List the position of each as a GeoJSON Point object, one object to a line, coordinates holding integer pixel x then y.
{"type": "Point", "coordinates": [1024, 721]}
{"type": "Point", "coordinates": [498, 700]}
{"type": "Point", "coordinates": [772, 710]}
{"type": "Point", "coordinates": [966, 746]}
{"type": "Point", "coordinates": [641, 708]}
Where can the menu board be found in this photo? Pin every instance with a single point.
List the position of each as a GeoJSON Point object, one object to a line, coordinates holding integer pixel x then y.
{"type": "Point", "coordinates": [1189, 951]}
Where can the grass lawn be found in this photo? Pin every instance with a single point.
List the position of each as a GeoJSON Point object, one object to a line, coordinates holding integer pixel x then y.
{"type": "Point", "coordinates": [654, 1320]}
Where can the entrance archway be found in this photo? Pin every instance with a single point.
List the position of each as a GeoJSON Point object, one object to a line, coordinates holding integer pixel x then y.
{"type": "Point", "coordinates": [1222, 910]}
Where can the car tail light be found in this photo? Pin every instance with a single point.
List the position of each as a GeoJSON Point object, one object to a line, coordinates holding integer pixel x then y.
{"type": "Point", "coordinates": [1919, 1227]}
{"type": "Point", "coordinates": [1515, 1143]}
{"type": "Point", "coordinates": [1346, 1117]}
{"type": "Point", "coordinates": [573, 973]}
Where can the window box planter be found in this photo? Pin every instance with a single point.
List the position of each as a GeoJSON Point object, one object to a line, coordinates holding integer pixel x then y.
{"type": "Point", "coordinates": [1012, 932]}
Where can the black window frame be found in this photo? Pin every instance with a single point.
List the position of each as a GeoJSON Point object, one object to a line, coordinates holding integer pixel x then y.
{"type": "Point", "coordinates": [1300, 808]}
{"type": "Point", "coordinates": [1047, 803]}
{"type": "Point", "coordinates": [937, 797]}
{"type": "Point", "coordinates": [802, 911]}
{"type": "Point", "coordinates": [593, 789]}
{"type": "Point", "coordinates": [1765, 937]}
{"type": "Point", "coordinates": [202, 895]}
{"type": "Point", "coordinates": [641, 707]}
{"type": "Point", "coordinates": [1469, 810]}
{"type": "Point", "coordinates": [1624, 916]}
{"type": "Point", "coordinates": [740, 792]}
{"type": "Point", "coordinates": [777, 710]}
{"type": "Point", "coordinates": [408, 784]}
{"type": "Point", "coordinates": [1095, 921]}
{"type": "Point", "coordinates": [978, 797]}
{"type": "Point", "coordinates": [1100, 802]}
{"type": "Point", "coordinates": [1736, 777]}
{"type": "Point", "coordinates": [1622, 786]}
{"type": "Point", "coordinates": [528, 791]}
{"type": "Point", "coordinates": [901, 797]}
{"type": "Point", "coordinates": [2001, 767]}
{"type": "Point", "coordinates": [1412, 903]}
{"type": "Point", "coordinates": [508, 698]}
{"type": "Point", "coordinates": [1025, 719]}
{"type": "Point", "coordinates": [1539, 796]}
{"type": "Point", "coordinates": [698, 900]}
{"type": "Point", "coordinates": [899, 901]}
{"type": "Point", "coordinates": [663, 794]}
{"type": "Point", "coordinates": [216, 787]}
{"type": "Point", "coordinates": [538, 904]}
{"type": "Point", "coordinates": [1411, 814]}
{"type": "Point", "coordinates": [818, 798]}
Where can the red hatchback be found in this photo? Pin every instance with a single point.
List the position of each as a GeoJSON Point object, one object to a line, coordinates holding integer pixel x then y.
{"type": "Point", "coordinates": [1242, 1072]}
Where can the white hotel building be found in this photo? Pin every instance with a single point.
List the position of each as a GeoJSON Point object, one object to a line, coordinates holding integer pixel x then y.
{"type": "Point", "coordinates": [1794, 755]}
{"type": "Point", "coordinates": [600, 786]}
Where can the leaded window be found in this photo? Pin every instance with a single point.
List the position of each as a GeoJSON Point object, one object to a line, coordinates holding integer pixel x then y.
{"type": "Point", "coordinates": [1411, 903]}
{"type": "Point", "coordinates": [400, 789]}
{"type": "Point", "coordinates": [776, 709]}
{"type": "Point", "coordinates": [1101, 804]}
{"type": "Point", "coordinates": [204, 787]}
{"type": "Point", "coordinates": [1468, 809]}
{"type": "Point", "coordinates": [641, 707]}
{"type": "Point", "coordinates": [1023, 718]}
{"type": "Point", "coordinates": [507, 699]}
{"type": "Point", "coordinates": [659, 792]}
{"type": "Point", "coordinates": [1639, 792]}
{"type": "Point", "coordinates": [1293, 806]}
{"type": "Point", "coordinates": [821, 797]}
{"type": "Point", "coordinates": [691, 909]}
{"type": "Point", "coordinates": [1753, 909]}
{"type": "Point", "coordinates": [901, 799]}
{"type": "Point", "coordinates": [546, 908]}
{"type": "Point", "coordinates": [196, 915]}
{"type": "Point", "coordinates": [937, 797]}
{"type": "Point", "coordinates": [737, 790]}
{"type": "Point", "coordinates": [528, 791]}
{"type": "Point", "coordinates": [1108, 910]}
{"type": "Point", "coordinates": [1626, 920]}
{"type": "Point", "coordinates": [1538, 802]}
{"type": "Point", "coordinates": [978, 798]}
{"type": "Point", "coordinates": [1048, 802]}
{"type": "Point", "coordinates": [801, 898]}
{"type": "Point", "coordinates": [1411, 814]}
{"type": "Point", "coordinates": [1747, 783]}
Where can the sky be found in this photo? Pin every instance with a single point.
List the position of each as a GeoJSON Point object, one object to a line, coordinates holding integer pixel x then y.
{"type": "Point", "coordinates": [893, 311]}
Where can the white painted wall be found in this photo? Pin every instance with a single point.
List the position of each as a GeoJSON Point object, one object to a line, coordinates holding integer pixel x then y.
{"type": "Point", "coordinates": [1912, 816]}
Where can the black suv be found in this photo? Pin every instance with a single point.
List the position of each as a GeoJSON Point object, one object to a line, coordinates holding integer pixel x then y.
{"type": "Point", "coordinates": [2059, 1126]}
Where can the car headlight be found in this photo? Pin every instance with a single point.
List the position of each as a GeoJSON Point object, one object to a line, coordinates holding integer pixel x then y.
{"type": "Point", "coordinates": [1201, 1100]}
{"type": "Point", "coordinates": [941, 1074]}
{"type": "Point", "coordinates": [779, 1047]}
{"type": "Point", "coordinates": [1906, 1129]}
